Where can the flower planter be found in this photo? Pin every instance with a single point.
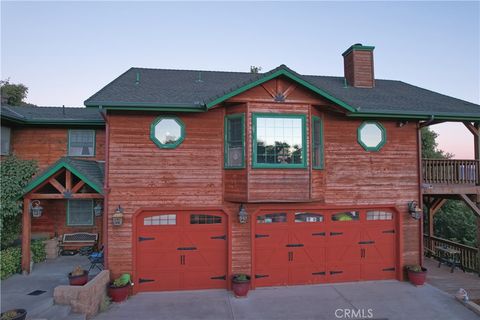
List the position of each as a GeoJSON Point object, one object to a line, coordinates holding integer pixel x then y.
{"type": "Point", "coordinates": [78, 280]}
{"type": "Point", "coordinates": [240, 287]}
{"type": "Point", "coordinates": [417, 277]}
{"type": "Point", "coordinates": [118, 294]}
{"type": "Point", "coordinates": [14, 314]}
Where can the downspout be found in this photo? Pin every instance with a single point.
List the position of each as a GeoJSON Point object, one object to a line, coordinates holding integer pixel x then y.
{"type": "Point", "coordinates": [106, 189]}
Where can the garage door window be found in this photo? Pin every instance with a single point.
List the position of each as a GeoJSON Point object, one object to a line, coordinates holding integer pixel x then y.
{"type": "Point", "coordinates": [163, 219]}
{"type": "Point", "coordinates": [346, 216]}
{"type": "Point", "coordinates": [379, 215]}
{"type": "Point", "coordinates": [204, 219]}
{"type": "Point", "coordinates": [272, 218]}
{"type": "Point", "coordinates": [308, 217]}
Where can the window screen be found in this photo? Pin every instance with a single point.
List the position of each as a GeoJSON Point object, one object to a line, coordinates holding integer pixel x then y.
{"type": "Point", "coordinates": [81, 143]}
{"type": "Point", "coordinates": [80, 213]}
{"type": "Point", "coordinates": [234, 141]}
{"type": "Point", "coordinates": [5, 141]}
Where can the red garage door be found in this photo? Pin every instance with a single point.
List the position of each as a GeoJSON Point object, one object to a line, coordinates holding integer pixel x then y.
{"type": "Point", "coordinates": [296, 247]}
{"type": "Point", "coordinates": [181, 251]}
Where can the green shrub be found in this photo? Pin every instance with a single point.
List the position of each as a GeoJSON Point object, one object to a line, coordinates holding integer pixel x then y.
{"type": "Point", "coordinates": [10, 261]}
{"type": "Point", "coordinates": [38, 251]}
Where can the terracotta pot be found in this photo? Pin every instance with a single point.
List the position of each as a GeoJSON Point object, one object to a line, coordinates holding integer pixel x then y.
{"type": "Point", "coordinates": [78, 280]}
{"type": "Point", "coordinates": [118, 294]}
{"type": "Point", "coordinates": [21, 314]}
{"type": "Point", "coordinates": [417, 277]}
{"type": "Point", "coordinates": [240, 288]}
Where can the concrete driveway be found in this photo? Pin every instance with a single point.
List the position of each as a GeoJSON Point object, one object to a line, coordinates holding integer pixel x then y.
{"type": "Point", "coordinates": [377, 300]}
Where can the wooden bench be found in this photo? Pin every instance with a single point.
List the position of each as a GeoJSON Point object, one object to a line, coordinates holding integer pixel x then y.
{"type": "Point", "coordinates": [78, 240]}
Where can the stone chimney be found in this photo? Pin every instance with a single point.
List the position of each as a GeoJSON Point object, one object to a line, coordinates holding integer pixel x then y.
{"type": "Point", "coordinates": [358, 66]}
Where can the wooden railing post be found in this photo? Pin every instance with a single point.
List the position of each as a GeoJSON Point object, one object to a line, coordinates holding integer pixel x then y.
{"type": "Point", "coordinates": [447, 171]}
{"type": "Point", "coordinates": [26, 234]}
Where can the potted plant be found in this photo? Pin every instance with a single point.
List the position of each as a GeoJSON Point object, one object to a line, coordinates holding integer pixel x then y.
{"type": "Point", "coordinates": [14, 314]}
{"type": "Point", "coordinates": [240, 285]}
{"type": "Point", "coordinates": [417, 274]}
{"type": "Point", "coordinates": [119, 289]}
{"type": "Point", "coordinates": [78, 277]}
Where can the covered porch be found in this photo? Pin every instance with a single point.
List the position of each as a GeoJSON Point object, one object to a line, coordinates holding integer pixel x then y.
{"type": "Point", "coordinates": [66, 198]}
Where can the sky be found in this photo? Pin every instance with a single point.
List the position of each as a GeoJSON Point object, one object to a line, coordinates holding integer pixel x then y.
{"type": "Point", "coordinates": [66, 51]}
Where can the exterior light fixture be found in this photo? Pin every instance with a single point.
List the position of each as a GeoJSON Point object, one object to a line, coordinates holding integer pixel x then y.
{"type": "Point", "coordinates": [414, 210]}
{"type": "Point", "coordinates": [242, 214]}
{"type": "Point", "coordinates": [98, 209]}
{"type": "Point", "coordinates": [36, 209]}
{"type": "Point", "coordinates": [117, 217]}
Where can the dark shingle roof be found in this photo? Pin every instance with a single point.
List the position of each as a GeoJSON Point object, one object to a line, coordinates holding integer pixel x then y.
{"type": "Point", "coordinates": [139, 87]}
{"type": "Point", "coordinates": [51, 115]}
{"type": "Point", "coordinates": [90, 171]}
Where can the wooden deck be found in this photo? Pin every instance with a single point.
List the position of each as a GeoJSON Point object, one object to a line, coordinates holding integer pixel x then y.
{"type": "Point", "coordinates": [451, 282]}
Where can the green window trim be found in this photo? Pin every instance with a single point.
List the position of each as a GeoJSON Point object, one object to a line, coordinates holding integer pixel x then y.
{"type": "Point", "coordinates": [256, 165]}
{"type": "Point", "coordinates": [167, 145]}
{"type": "Point", "coordinates": [80, 225]}
{"type": "Point", "coordinates": [318, 141]}
{"type": "Point", "coordinates": [227, 140]}
{"type": "Point", "coordinates": [94, 143]}
{"type": "Point", "coordinates": [380, 144]}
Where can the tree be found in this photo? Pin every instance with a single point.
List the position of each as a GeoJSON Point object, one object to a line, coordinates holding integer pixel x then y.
{"type": "Point", "coordinates": [255, 69]}
{"type": "Point", "coordinates": [430, 146]}
{"type": "Point", "coordinates": [13, 94]}
{"type": "Point", "coordinates": [15, 174]}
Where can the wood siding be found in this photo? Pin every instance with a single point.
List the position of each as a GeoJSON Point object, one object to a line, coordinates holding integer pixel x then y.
{"type": "Point", "coordinates": [359, 71]}
{"type": "Point", "coordinates": [47, 145]}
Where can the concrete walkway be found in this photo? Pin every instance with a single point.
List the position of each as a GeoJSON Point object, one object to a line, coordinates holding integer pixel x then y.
{"type": "Point", "coordinates": [390, 300]}
{"type": "Point", "coordinates": [45, 276]}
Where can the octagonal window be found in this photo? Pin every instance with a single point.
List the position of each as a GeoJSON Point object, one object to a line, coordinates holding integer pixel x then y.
{"type": "Point", "coordinates": [371, 135]}
{"type": "Point", "coordinates": [167, 132]}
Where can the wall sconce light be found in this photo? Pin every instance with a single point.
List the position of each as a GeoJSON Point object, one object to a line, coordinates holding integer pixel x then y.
{"type": "Point", "coordinates": [98, 209]}
{"type": "Point", "coordinates": [414, 210]}
{"type": "Point", "coordinates": [117, 217]}
{"type": "Point", "coordinates": [36, 209]}
{"type": "Point", "coordinates": [242, 214]}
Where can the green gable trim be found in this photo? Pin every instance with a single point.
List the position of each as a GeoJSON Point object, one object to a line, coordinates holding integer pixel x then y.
{"type": "Point", "coordinates": [288, 74]}
{"type": "Point", "coordinates": [226, 139]}
{"type": "Point", "coordinates": [62, 164]}
{"type": "Point", "coordinates": [358, 47]}
{"type": "Point", "coordinates": [382, 141]}
{"type": "Point", "coordinates": [166, 109]}
{"type": "Point", "coordinates": [110, 105]}
{"type": "Point", "coordinates": [410, 115]}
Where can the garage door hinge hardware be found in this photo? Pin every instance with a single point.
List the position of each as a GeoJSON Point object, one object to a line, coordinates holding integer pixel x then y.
{"type": "Point", "coordinates": [261, 276]}
{"type": "Point", "coordinates": [318, 234]}
{"type": "Point", "coordinates": [335, 233]}
{"type": "Point", "coordinates": [294, 245]}
{"type": "Point", "coordinates": [141, 280]}
{"type": "Point", "coordinates": [366, 242]}
{"type": "Point", "coordinates": [335, 272]}
{"type": "Point", "coordinates": [262, 236]}
{"type": "Point", "coordinates": [224, 237]}
{"type": "Point", "coordinates": [388, 231]}
{"type": "Point", "coordinates": [145, 238]}
{"type": "Point", "coordinates": [224, 277]}
{"type": "Point", "coordinates": [318, 273]}
{"type": "Point", "coordinates": [388, 269]}
{"type": "Point", "coordinates": [187, 248]}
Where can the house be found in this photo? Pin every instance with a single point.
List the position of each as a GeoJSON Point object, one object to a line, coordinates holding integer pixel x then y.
{"type": "Point", "coordinates": [294, 179]}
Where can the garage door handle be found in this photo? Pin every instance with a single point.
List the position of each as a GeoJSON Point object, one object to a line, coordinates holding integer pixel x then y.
{"type": "Point", "coordinates": [262, 236]}
{"type": "Point", "coordinates": [366, 242]}
{"type": "Point", "coordinates": [224, 277]}
{"type": "Point", "coordinates": [224, 237]}
{"type": "Point", "coordinates": [257, 276]}
{"type": "Point", "coordinates": [145, 238]}
{"type": "Point", "coordinates": [290, 245]}
{"type": "Point", "coordinates": [335, 272]}
{"type": "Point", "coordinates": [388, 231]}
{"type": "Point", "coordinates": [141, 280]}
{"type": "Point", "coordinates": [318, 234]}
{"type": "Point", "coordinates": [318, 273]}
{"type": "Point", "coordinates": [335, 233]}
{"type": "Point", "coordinates": [187, 248]}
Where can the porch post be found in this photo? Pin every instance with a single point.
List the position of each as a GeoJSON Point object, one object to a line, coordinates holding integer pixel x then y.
{"type": "Point", "coordinates": [26, 233]}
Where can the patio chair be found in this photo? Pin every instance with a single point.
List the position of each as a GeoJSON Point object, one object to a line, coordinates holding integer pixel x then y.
{"type": "Point", "coordinates": [96, 260]}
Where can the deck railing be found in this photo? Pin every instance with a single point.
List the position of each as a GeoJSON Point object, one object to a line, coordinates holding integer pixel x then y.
{"type": "Point", "coordinates": [468, 255]}
{"type": "Point", "coordinates": [451, 171]}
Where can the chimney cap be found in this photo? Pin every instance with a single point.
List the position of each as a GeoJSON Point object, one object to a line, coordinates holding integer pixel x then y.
{"type": "Point", "coordinates": [358, 46]}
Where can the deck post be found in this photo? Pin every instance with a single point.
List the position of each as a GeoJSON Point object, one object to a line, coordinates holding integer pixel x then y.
{"type": "Point", "coordinates": [26, 235]}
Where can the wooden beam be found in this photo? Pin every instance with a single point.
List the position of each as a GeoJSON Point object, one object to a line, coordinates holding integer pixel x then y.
{"type": "Point", "coordinates": [57, 185]}
{"type": "Point", "coordinates": [471, 204]}
{"type": "Point", "coordinates": [26, 235]}
{"type": "Point", "coordinates": [471, 127]}
{"type": "Point", "coordinates": [269, 90]}
{"type": "Point", "coordinates": [68, 180]}
{"type": "Point", "coordinates": [289, 90]}
{"type": "Point", "coordinates": [47, 181]}
{"type": "Point", "coordinates": [77, 187]}
{"type": "Point", "coordinates": [437, 204]}
{"type": "Point", "coordinates": [54, 196]}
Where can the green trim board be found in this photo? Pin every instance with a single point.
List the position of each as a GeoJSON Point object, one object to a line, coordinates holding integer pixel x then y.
{"type": "Point", "coordinates": [257, 165]}
{"type": "Point", "coordinates": [67, 222]}
{"type": "Point", "coordinates": [167, 145]}
{"type": "Point", "coordinates": [227, 139]}
{"type": "Point", "coordinates": [358, 47]}
{"type": "Point", "coordinates": [288, 74]}
{"type": "Point", "coordinates": [94, 143]}
{"type": "Point", "coordinates": [60, 165]}
{"type": "Point", "coordinates": [317, 140]}
{"type": "Point", "coordinates": [159, 108]}
{"type": "Point", "coordinates": [121, 105]}
{"type": "Point", "coordinates": [413, 115]}
{"type": "Point", "coordinates": [383, 138]}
